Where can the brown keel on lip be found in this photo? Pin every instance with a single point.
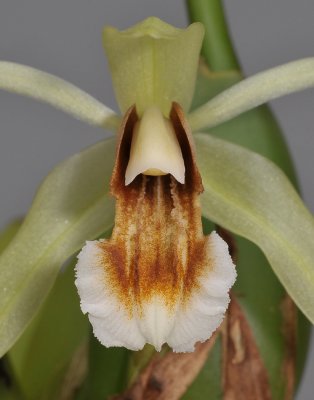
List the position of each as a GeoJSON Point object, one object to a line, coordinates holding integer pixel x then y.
{"type": "Point", "coordinates": [157, 245]}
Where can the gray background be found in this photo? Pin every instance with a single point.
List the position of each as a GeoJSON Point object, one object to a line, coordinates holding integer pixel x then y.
{"type": "Point", "coordinates": [63, 37]}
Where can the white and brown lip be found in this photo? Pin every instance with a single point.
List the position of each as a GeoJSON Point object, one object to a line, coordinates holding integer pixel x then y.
{"type": "Point", "coordinates": [158, 279]}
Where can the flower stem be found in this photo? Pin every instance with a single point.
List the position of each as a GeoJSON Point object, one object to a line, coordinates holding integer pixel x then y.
{"type": "Point", "coordinates": [217, 47]}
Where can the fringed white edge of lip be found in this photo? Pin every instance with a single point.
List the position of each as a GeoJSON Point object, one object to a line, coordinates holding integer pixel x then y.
{"type": "Point", "coordinates": [181, 329]}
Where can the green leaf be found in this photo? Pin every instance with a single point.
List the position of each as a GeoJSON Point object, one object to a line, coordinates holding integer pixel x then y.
{"type": "Point", "coordinates": [254, 91]}
{"type": "Point", "coordinates": [149, 64]}
{"type": "Point", "coordinates": [264, 313]}
{"type": "Point", "coordinates": [107, 372]}
{"type": "Point", "coordinates": [57, 92]}
{"type": "Point", "coordinates": [217, 47]}
{"type": "Point", "coordinates": [138, 360]}
{"type": "Point", "coordinates": [72, 205]}
{"type": "Point", "coordinates": [208, 383]}
{"type": "Point", "coordinates": [8, 393]}
{"type": "Point", "coordinates": [248, 195]}
{"type": "Point", "coordinates": [42, 354]}
{"type": "Point", "coordinates": [257, 130]}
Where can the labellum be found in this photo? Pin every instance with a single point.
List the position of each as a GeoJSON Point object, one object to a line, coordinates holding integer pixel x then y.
{"type": "Point", "coordinates": [158, 279]}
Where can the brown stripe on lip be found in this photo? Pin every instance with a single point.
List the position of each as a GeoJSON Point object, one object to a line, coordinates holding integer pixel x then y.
{"type": "Point", "coordinates": [157, 246]}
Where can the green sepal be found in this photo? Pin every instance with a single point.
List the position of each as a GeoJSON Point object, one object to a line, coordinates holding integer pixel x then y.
{"type": "Point", "coordinates": [153, 63]}
{"type": "Point", "coordinates": [254, 91]}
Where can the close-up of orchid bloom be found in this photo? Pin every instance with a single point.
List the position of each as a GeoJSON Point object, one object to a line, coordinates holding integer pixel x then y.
{"type": "Point", "coordinates": [134, 207]}
{"type": "Point", "coordinates": [158, 279]}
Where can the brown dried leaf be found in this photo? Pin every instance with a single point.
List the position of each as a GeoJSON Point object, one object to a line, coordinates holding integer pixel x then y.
{"type": "Point", "coordinates": [289, 312]}
{"type": "Point", "coordinates": [167, 378]}
{"type": "Point", "coordinates": [244, 373]}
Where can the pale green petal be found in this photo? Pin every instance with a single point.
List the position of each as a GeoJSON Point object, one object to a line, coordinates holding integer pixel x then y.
{"type": "Point", "coordinates": [250, 196]}
{"type": "Point", "coordinates": [63, 95]}
{"type": "Point", "coordinates": [254, 91]}
{"type": "Point", "coordinates": [153, 63]}
{"type": "Point", "coordinates": [71, 206]}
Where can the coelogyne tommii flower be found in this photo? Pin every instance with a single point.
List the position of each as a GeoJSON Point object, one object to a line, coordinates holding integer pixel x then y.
{"type": "Point", "coordinates": [158, 279]}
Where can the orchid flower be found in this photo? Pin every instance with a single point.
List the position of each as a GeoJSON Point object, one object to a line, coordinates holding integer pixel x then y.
{"type": "Point", "coordinates": [158, 279]}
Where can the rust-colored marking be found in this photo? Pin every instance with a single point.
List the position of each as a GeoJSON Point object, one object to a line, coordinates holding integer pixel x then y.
{"type": "Point", "coordinates": [168, 378]}
{"type": "Point", "coordinates": [289, 313]}
{"type": "Point", "coordinates": [157, 245]}
{"type": "Point", "coordinates": [193, 180]}
{"type": "Point", "coordinates": [245, 376]}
